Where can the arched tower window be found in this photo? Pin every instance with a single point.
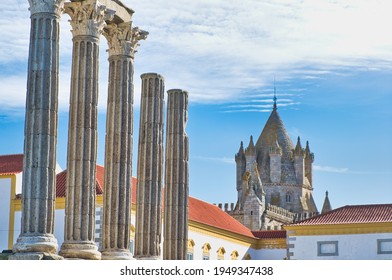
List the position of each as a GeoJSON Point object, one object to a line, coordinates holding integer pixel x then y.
{"type": "Point", "coordinates": [206, 251]}
{"type": "Point", "coordinates": [190, 251]}
{"type": "Point", "coordinates": [289, 197]}
{"type": "Point", "coordinates": [221, 253]}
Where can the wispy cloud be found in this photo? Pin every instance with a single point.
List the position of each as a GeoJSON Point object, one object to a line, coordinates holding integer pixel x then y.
{"type": "Point", "coordinates": [215, 159]}
{"type": "Point", "coordinates": [225, 50]}
{"type": "Point", "coordinates": [330, 169]}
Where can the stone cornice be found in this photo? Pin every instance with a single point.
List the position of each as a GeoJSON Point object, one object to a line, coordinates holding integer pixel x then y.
{"type": "Point", "coordinates": [88, 17]}
{"type": "Point", "coordinates": [123, 38]}
{"type": "Point", "coordinates": [46, 6]}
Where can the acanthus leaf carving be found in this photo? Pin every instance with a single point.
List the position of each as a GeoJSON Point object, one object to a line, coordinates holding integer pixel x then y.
{"type": "Point", "coordinates": [88, 17]}
{"type": "Point", "coordinates": [123, 38]}
{"type": "Point", "coordinates": [46, 6]}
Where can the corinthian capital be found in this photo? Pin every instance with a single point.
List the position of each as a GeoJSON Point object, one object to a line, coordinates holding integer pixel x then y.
{"type": "Point", "coordinates": [46, 6]}
{"type": "Point", "coordinates": [88, 17]}
{"type": "Point", "coordinates": [123, 38]}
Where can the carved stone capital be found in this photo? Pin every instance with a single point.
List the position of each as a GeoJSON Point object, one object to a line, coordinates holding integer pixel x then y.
{"type": "Point", "coordinates": [88, 17]}
{"type": "Point", "coordinates": [123, 38]}
{"type": "Point", "coordinates": [46, 6]}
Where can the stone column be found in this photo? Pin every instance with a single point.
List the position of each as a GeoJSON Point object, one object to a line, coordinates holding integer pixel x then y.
{"type": "Point", "coordinates": [87, 21]}
{"type": "Point", "coordinates": [150, 168]}
{"type": "Point", "coordinates": [39, 176]}
{"type": "Point", "coordinates": [122, 40]}
{"type": "Point", "coordinates": [175, 242]}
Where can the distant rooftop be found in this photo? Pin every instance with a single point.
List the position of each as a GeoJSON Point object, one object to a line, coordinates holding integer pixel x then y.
{"type": "Point", "coordinates": [353, 214]}
{"type": "Point", "coordinates": [11, 164]}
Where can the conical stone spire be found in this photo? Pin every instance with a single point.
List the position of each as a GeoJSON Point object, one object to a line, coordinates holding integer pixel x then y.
{"type": "Point", "coordinates": [251, 147]}
{"type": "Point", "coordinates": [298, 148]}
{"type": "Point", "coordinates": [327, 205]}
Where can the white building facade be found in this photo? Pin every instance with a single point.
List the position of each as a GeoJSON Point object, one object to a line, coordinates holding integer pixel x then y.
{"type": "Point", "coordinates": [358, 232]}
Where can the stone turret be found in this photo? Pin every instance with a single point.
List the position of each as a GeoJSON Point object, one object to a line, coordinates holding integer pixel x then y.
{"type": "Point", "coordinates": [299, 162]}
{"type": "Point", "coordinates": [275, 162]}
{"type": "Point", "coordinates": [309, 158]}
{"type": "Point", "coordinates": [250, 155]}
{"type": "Point", "coordinates": [240, 161]}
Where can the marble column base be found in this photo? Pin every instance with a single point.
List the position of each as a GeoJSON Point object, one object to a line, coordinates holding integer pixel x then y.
{"type": "Point", "coordinates": [34, 256]}
{"type": "Point", "coordinates": [146, 258]}
{"type": "Point", "coordinates": [116, 254]}
{"type": "Point", "coordinates": [36, 243]}
{"type": "Point", "coordinates": [85, 250]}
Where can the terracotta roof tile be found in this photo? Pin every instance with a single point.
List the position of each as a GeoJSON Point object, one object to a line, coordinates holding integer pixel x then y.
{"type": "Point", "coordinates": [206, 213]}
{"type": "Point", "coordinates": [199, 211]}
{"type": "Point", "coordinates": [11, 164]}
{"type": "Point", "coordinates": [353, 214]}
{"type": "Point", "coordinates": [269, 234]}
{"type": "Point", "coordinates": [61, 180]}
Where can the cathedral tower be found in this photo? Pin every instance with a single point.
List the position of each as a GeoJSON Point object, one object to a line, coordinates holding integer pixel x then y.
{"type": "Point", "coordinates": [274, 178]}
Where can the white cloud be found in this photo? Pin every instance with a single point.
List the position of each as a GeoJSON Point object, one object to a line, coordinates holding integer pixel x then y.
{"type": "Point", "coordinates": [215, 159]}
{"type": "Point", "coordinates": [225, 50]}
{"type": "Point", "coordinates": [330, 169]}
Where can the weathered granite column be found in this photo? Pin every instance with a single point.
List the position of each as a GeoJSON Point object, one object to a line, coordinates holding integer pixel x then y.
{"type": "Point", "coordinates": [175, 242]}
{"type": "Point", "coordinates": [122, 40]}
{"type": "Point", "coordinates": [150, 168]}
{"type": "Point", "coordinates": [38, 185]}
{"type": "Point", "coordinates": [87, 21]}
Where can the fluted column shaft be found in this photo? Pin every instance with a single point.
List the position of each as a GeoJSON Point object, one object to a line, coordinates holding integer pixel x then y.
{"type": "Point", "coordinates": [38, 185]}
{"type": "Point", "coordinates": [150, 168]}
{"type": "Point", "coordinates": [87, 21]}
{"type": "Point", "coordinates": [176, 177]}
{"type": "Point", "coordinates": [122, 40]}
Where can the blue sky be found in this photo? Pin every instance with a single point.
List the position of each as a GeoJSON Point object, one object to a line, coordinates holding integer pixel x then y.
{"type": "Point", "coordinates": [332, 61]}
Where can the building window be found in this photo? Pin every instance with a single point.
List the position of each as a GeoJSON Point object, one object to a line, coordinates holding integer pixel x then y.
{"type": "Point", "coordinates": [384, 246]}
{"type": "Point", "coordinates": [189, 256]}
{"type": "Point", "coordinates": [206, 251]}
{"type": "Point", "coordinates": [131, 246]}
{"type": "Point", "coordinates": [327, 248]}
{"type": "Point", "coordinates": [234, 255]}
{"type": "Point", "coordinates": [190, 250]}
{"type": "Point", "coordinates": [221, 253]}
{"type": "Point", "coordinates": [132, 239]}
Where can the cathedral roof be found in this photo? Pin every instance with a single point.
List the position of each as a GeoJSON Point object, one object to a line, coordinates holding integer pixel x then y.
{"type": "Point", "coordinates": [274, 135]}
{"type": "Point", "coordinates": [274, 130]}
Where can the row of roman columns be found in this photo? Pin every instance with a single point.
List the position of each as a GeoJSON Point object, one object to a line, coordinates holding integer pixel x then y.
{"type": "Point", "coordinates": [90, 19]}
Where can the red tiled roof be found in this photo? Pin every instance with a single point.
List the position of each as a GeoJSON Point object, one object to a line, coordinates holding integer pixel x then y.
{"type": "Point", "coordinates": [11, 164]}
{"type": "Point", "coordinates": [61, 180]}
{"type": "Point", "coordinates": [353, 214]}
{"type": "Point", "coordinates": [206, 213]}
{"type": "Point", "coordinates": [199, 211]}
{"type": "Point", "coordinates": [269, 234]}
